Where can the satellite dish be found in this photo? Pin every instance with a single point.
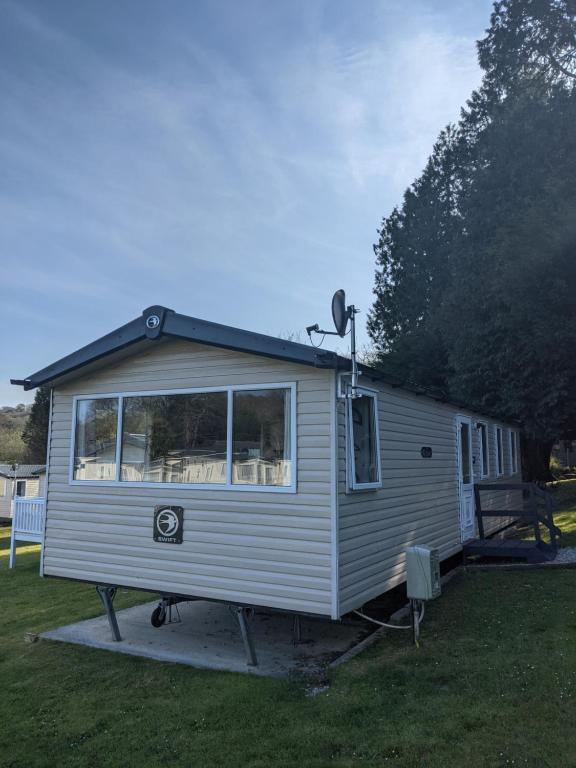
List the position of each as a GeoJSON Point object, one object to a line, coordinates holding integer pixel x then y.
{"type": "Point", "coordinates": [339, 312]}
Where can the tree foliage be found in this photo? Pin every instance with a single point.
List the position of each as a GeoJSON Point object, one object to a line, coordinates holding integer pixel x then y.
{"type": "Point", "coordinates": [12, 421]}
{"type": "Point", "coordinates": [35, 433]}
{"type": "Point", "coordinates": [477, 269]}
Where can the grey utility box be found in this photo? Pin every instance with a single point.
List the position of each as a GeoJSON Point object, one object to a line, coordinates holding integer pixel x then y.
{"type": "Point", "coordinates": [423, 573]}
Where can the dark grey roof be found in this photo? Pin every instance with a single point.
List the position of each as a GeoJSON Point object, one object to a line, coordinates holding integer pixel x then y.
{"type": "Point", "coordinates": [22, 470]}
{"type": "Point", "coordinates": [159, 322]}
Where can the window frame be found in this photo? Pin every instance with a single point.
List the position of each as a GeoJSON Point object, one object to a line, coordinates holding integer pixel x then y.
{"type": "Point", "coordinates": [351, 484]}
{"type": "Point", "coordinates": [17, 482]}
{"type": "Point", "coordinates": [499, 443]}
{"type": "Point", "coordinates": [228, 485]}
{"type": "Point", "coordinates": [484, 444]}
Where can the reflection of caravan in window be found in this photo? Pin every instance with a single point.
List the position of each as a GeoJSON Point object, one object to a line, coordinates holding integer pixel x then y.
{"type": "Point", "coordinates": [292, 496]}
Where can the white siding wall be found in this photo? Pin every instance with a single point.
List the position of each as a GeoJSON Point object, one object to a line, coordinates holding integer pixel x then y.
{"type": "Point", "coordinates": [418, 502]}
{"type": "Point", "coordinates": [266, 548]}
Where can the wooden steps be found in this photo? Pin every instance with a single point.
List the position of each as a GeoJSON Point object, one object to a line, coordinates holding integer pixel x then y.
{"type": "Point", "coordinates": [529, 551]}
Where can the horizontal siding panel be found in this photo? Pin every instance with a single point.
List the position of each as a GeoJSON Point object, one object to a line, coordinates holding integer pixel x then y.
{"type": "Point", "coordinates": [275, 539]}
{"type": "Point", "coordinates": [310, 529]}
{"type": "Point", "coordinates": [416, 512]}
{"type": "Point", "coordinates": [200, 559]}
{"type": "Point", "coordinates": [210, 591]}
{"type": "Point", "coordinates": [198, 548]}
{"type": "Point", "coordinates": [243, 572]}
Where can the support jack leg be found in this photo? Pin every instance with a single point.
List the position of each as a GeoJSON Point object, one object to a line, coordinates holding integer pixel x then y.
{"type": "Point", "coordinates": [243, 613]}
{"type": "Point", "coordinates": [107, 595]}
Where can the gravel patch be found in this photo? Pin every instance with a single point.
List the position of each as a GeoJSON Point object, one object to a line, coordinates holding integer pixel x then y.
{"type": "Point", "coordinates": [566, 555]}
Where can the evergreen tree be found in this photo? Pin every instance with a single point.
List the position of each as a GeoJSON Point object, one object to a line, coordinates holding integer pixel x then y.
{"type": "Point", "coordinates": [476, 281]}
{"type": "Point", "coordinates": [35, 433]}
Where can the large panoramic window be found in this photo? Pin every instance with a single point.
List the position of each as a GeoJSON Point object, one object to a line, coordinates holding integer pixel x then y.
{"type": "Point", "coordinates": [363, 442]}
{"type": "Point", "coordinates": [231, 437]}
{"type": "Point", "coordinates": [95, 439]}
{"type": "Point", "coordinates": [174, 438]}
{"type": "Point", "coordinates": [261, 437]}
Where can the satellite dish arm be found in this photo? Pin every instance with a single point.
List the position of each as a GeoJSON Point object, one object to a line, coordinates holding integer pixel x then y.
{"type": "Point", "coordinates": [310, 329]}
{"type": "Point", "coordinates": [352, 311]}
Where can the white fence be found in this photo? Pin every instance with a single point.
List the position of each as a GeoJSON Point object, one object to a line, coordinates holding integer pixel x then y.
{"type": "Point", "coordinates": [28, 514]}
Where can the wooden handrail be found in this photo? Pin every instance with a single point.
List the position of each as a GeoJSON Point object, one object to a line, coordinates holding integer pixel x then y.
{"type": "Point", "coordinates": [533, 514]}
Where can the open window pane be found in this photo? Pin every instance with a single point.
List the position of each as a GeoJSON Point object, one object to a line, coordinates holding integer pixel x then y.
{"type": "Point", "coordinates": [261, 439]}
{"type": "Point", "coordinates": [364, 441]}
{"type": "Point", "coordinates": [95, 439]}
{"type": "Point", "coordinates": [175, 438]}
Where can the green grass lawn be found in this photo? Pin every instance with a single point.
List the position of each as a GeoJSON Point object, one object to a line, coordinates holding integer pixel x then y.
{"type": "Point", "coordinates": [493, 684]}
{"type": "Point", "coordinates": [565, 492]}
{"type": "Point", "coordinates": [565, 517]}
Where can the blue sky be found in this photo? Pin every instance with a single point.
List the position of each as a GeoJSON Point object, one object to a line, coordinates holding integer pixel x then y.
{"type": "Point", "coordinates": [230, 160]}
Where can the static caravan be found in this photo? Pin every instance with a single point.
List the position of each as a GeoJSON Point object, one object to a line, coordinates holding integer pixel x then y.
{"type": "Point", "coordinates": [19, 481]}
{"type": "Point", "coordinates": [196, 460]}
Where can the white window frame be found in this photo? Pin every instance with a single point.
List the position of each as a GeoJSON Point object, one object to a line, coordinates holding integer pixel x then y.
{"type": "Point", "coordinates": [16, 482]}
{"type": "Point", "coordinates": [484, 468]}
{"type": "Point", "coordinates": [352, 485]}
{"type": "Point", "coordinates": [499, 442]}
{"type": "Point", "coordinates": [513, 440]}
{"type": "Point", "coordinates": [228, 485]}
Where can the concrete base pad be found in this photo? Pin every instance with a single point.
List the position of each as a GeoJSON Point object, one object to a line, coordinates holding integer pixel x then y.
{"type": "Point", "coordinates": [208, 636]}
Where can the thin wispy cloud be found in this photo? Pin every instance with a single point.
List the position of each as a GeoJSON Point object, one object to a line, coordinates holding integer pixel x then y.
{"type": "Point", "coordinates": [231, 161]}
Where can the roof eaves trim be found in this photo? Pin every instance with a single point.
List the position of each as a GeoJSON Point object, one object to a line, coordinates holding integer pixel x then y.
{"type": "Point", "coordinates": [119, 339]}
{"type": "Point", "coordinates": [158, 321]}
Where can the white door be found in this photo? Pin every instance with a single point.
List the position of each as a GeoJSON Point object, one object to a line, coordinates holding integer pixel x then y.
{"type": "Point", "coordinates": [465, 478]}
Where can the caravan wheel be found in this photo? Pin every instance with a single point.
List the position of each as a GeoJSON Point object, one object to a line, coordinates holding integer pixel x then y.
{"type": "Point", "coordinates": [158, 616]}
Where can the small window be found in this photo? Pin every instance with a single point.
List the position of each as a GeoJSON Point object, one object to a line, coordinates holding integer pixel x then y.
{"type": "Point", "coordinates": [21, 488]}
{"type": "Point", "coordinates": [2, 486]}
{"type": "Point", "coordinates": [95, 439]}
{"type": "Point", "coordinates": [484, 461]}
{"type": "Point", "coordinates": [499, 452]}
{"type": "Point", "coordinates": [364, 444]}
{"type": "Point", "coordinates": [513, 453]}
{"type": "Point", "coordinates": [261, 437]}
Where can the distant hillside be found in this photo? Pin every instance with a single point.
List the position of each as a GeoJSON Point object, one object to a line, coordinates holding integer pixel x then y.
{"type": "Point", "coordinates": [12, 421]}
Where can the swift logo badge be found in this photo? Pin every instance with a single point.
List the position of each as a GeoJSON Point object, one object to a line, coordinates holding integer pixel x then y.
{"type": "Point", "coordinates": [168, 524]}
{"type": "Point", "coordinates": [152, 321]}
